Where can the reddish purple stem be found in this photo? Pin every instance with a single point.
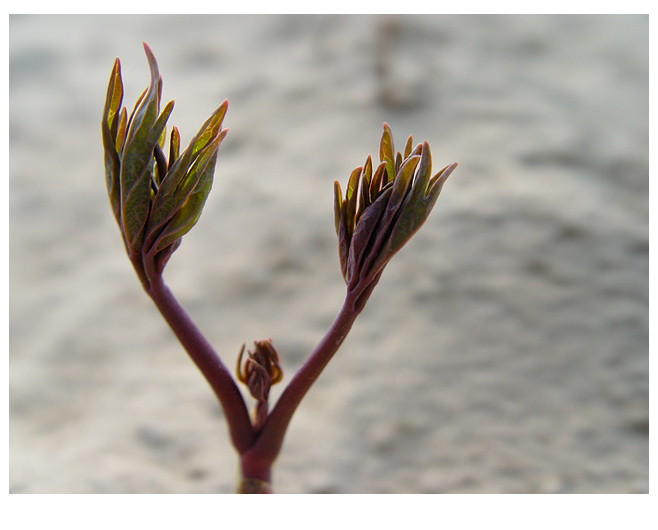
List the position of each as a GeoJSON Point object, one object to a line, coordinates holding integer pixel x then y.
{"type": "Point", "coordinates": [211, 366]}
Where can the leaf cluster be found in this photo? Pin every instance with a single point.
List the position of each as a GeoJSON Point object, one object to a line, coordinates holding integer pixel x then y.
{"type": "Point", "coordinates": [382, 209]}
{"type": "Point", "coordinates": [155, 201]}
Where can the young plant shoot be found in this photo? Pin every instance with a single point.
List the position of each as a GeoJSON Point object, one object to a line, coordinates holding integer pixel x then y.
{"type": "Point", "coordinates": [157, 199]}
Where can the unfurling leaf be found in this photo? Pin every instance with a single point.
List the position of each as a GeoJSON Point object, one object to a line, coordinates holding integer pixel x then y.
{"type": "Point", "coordinates": [174, 211]}
{"type": "Point", "coordinates": [195, 189]}
{"type": "Point", "coordinates": [145, 128]}
{"type": "Point", "coordinates": [110, 127]}
{"type": "Point", "coordinates": [174, 147]}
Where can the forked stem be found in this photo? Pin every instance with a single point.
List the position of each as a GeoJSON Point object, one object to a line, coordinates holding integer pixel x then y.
{"type": "Point", "coordinates": [258, 448]}
{"type": "Point", "coordinates": [380, 212]}
{"type": "Point", "coordinates": [258, 460]}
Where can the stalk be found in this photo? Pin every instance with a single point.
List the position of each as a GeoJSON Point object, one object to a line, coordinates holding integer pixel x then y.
{"type": "Point", "coordinates": [207, 360]}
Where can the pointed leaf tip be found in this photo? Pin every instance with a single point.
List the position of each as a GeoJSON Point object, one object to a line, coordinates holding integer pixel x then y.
{"type": "Point", "coordinates": [409, 146]}
{"type": "Point", "coordinates": [153, 65]}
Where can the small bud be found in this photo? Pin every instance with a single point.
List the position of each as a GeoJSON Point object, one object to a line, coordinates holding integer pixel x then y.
{"type": "Point", "coordinates": [260, 371]}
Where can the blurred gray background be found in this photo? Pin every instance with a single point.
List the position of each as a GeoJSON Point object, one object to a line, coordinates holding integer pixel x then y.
{"type": "Point", "coordinates": [506, 347]}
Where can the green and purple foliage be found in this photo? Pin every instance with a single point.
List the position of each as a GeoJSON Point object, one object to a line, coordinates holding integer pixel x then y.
{"type": "Point", "coordinates": [156, 200]}
{"type": "Point", "coordinates": [393, 203]}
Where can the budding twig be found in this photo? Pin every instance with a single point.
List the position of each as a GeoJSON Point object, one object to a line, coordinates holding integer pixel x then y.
{"type": "Point", "coordinates": [156, 201]}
